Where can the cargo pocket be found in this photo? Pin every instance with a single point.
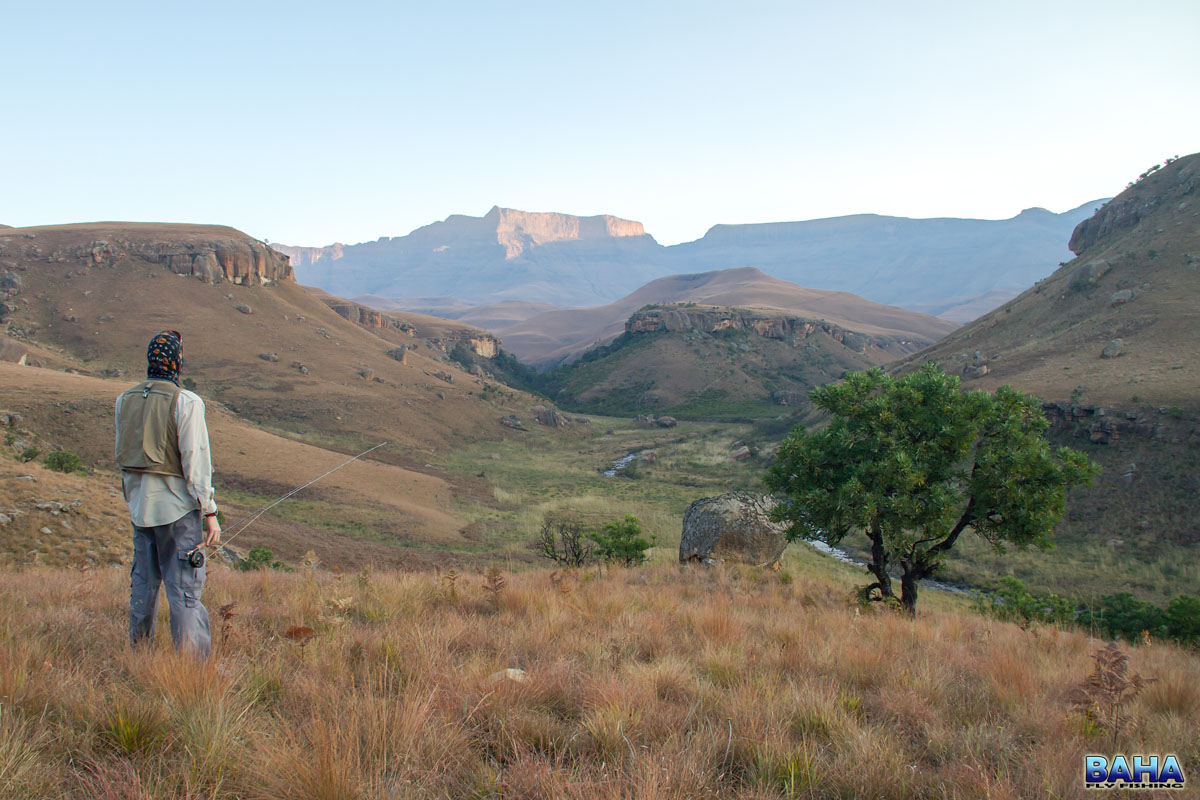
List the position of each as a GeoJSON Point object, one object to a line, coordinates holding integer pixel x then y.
{"type": "Point", "coordinates": [191, 579]}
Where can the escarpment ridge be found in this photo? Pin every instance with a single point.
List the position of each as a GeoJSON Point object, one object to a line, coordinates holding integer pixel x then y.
{"type": "Point", "coordinates": [211, 253]}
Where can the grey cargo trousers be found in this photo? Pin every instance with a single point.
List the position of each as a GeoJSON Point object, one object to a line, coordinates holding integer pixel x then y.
{"type": "Point", "coordinates": [160, 556]}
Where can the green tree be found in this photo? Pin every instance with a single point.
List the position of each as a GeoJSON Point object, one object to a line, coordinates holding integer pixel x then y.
{"type": "Point", "coordinates": [913, 462]}
{"type": "Point", "coordinates": [622, 542]}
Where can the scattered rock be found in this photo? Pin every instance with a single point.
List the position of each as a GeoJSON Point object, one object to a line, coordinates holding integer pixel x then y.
{"type": "Point", "coordinates": [583, 420]}
{"type": "Point", "coordinates": [1121, 297]}
{"type": "Point", "coordinates": [366, 374]}
{"type": "Point", "coordinates": [303, 370]}
{"type": "Point", "coordinates": [551, 418]}
{"type": "Point", "coordinates": [269, 356]}
{"type": "Point", "coordinates": [790, 399]}
{"type": "Point", "coordinates": [399, 354]}
{"type": "Point", "coordinates": [322, 332]}
{"type": "Point", "coordinates": [514, 422]}
{"type": "Point", "coordinates": [245, 309]}
{"type": "Point", "coordinates": [295, 365]}
{"type": "Point", "coordinates": [446, 376]}
{"type": "Point", "coordinates": [379, 379]}
{"type": "Point", "coordinates": [1088, 274]}
{"type": "Point", "coordinates": [648, 457]}
{"type": "Point", "coordinates": [510, 674]}
{"type": "Point", "coordinates": [70, 318]}
{"type": "Point", "coordinates": [740, 453]}
{"type": "Point", "coordinates": [734, 526]}
{"type": "Point", "coordinates": [976, 371]}
{"type": "Point", "coordinates": [5, 519]}
{"type": "Point", "coordinates": [47, 531]}
{"type": "Point", "coordinates": [1128, 475]}
{"type": "Point", "coordinates": [666, 422]}
{"type": "Point", "coordinates": [1112, 349]}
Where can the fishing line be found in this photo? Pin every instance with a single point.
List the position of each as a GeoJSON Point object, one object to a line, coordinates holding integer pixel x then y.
{"type": "Point", "coordinates": [196, 557]}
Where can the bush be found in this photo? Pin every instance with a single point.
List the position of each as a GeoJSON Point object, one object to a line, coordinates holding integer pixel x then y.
{"type": "Point", "coordinates": [564, 542]}
{"type": "Point", "coordinates": [29, 454]}
{"type": "Point", "coordinates": [188, 384]}
{"type": "Point", "coordinates": [63, 461]}
{"type": "Point", "coordinates": [622, 542]}
{"type": "Point", "coordinates": [260, 558]}
{"type": "Point", "coordinates": [1116, 616]}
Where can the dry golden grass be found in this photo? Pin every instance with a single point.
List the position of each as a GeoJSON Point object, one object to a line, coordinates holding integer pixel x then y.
{"type": "Point", "coordinates": [660, 682]}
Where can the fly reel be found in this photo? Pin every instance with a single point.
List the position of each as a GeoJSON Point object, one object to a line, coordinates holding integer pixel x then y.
{"type": "Point", "coordinates": [195, 559]}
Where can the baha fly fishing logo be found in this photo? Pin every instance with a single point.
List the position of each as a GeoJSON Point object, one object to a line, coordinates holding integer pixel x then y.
{"type": "Point", "coordinates": [1138, 772]}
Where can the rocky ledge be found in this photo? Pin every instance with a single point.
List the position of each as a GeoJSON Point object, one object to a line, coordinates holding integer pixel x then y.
{"type": "Point", "coordinates": [712, 319]}
{"type": "Point", "coordinates": [209, 253]}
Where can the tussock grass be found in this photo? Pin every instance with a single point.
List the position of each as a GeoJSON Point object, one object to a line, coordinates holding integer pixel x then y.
{"type": "Point", "coordinates": [658, 682]}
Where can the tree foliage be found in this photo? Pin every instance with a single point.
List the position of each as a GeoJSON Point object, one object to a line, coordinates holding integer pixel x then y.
{"type": "Point", "coordinates": [913, 462]}
{"type": "Point", "coordinates": [622, 542]}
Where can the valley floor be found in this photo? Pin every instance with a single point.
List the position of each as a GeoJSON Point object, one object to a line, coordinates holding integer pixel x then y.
{"type": "Point", "coordinates": [655, 682]}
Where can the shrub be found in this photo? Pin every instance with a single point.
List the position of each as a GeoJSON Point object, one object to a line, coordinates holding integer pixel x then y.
{"type": "Point", "coordinates": [622, 542]}
{"type": "Point", "coordinates": [29, 454]}
{"type": "Point", "coordinates": [188, 384]}
{"type": "Point", "coordinates": [564, 542]}
{"type": "Point", "coordinates": [260, 558]}
{"type": "Point", "coordinates": [63, 461]}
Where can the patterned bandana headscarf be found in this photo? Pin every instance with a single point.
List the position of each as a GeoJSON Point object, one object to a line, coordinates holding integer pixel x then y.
{"type": "Point", "coordinates": [164, 357]}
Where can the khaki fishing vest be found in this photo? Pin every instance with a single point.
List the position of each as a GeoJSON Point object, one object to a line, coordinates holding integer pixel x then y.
{"type": "Point", "coordinates": [147, 436]}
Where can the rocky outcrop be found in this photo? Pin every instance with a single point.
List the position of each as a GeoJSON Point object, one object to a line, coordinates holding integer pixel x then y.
{"type": "Point", "coordinates": [307, 256]}
{"type": "Point", "coordinates": [12, 351]}
{"type": "Point", "coordinates": [517, 231]}
{"type": "Point", "coordinates": [711, 319]}
{"type": "Point", "coordinates": [1101, 425]}
{"type": "Point", "coordinates": [732, 527]}
{"type": "Point", "coordinates": [1151, 190]}
{"type": "Point", "coordinates": [482, 344]}
{"type": "Point", "coordinates": [550, 417]}
{"type": "Point", "coordinates": [210, 253]}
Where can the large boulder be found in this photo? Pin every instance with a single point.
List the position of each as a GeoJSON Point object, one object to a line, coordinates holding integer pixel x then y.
{"type": "Point", "coordinates": [732, 527]}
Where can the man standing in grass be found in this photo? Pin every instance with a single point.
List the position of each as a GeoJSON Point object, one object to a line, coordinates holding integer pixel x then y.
{"type": "Point", "coordinates": [166, 476]}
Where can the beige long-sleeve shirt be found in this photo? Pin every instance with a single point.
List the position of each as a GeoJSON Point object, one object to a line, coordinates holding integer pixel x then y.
{"type": "Point", "coordinates": [161, 499]}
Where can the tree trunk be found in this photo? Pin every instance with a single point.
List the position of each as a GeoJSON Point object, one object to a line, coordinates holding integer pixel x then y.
{"type": "Point", "coordinates": [878, 566]}
{"type": "Point", "coordinates": [908, 590]}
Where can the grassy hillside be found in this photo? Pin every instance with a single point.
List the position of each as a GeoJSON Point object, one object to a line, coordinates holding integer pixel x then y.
{"type": "Point", "coordinates": [1136, 413]}
{"type": "Point", "coordinates": [1135, 279]}
{"type": "Point", "coordinates": [85, 319]}
{"type": "Point", "coordinates": [652, 683]}
{"type": "Point", "coordinates": [712, 362]}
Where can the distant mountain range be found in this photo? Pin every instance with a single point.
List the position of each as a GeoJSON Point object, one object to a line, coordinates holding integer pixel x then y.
{"type": "Point", "coordinates": [950, 267]}
{"type": "Point", "coordinates": [546, 337]}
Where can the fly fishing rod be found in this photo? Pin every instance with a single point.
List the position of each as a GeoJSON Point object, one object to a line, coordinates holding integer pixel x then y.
{"type": "Point", "coordinates": [195, 556]}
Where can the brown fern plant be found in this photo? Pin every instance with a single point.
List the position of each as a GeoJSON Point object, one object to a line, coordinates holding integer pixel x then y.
{"type": "Point", "coordinates": [449, 581]}
{"type": "Point", "coordinates": [493, 584]}
{"type": "Point", "coordinates": [228, 612]}
{"type": "Point", "coordinates": [1103, 696]}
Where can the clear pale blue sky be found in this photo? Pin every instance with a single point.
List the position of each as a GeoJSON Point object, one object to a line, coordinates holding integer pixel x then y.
{"type": "Point", "coordinates": [308, 123]}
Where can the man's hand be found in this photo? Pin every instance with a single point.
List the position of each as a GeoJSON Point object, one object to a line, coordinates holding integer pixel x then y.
{"type": "Point", "coordinates": [212, 532]}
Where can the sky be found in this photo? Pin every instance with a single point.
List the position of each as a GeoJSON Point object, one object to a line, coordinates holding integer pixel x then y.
{"type": "Point", "coordinates": [309, 123]}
